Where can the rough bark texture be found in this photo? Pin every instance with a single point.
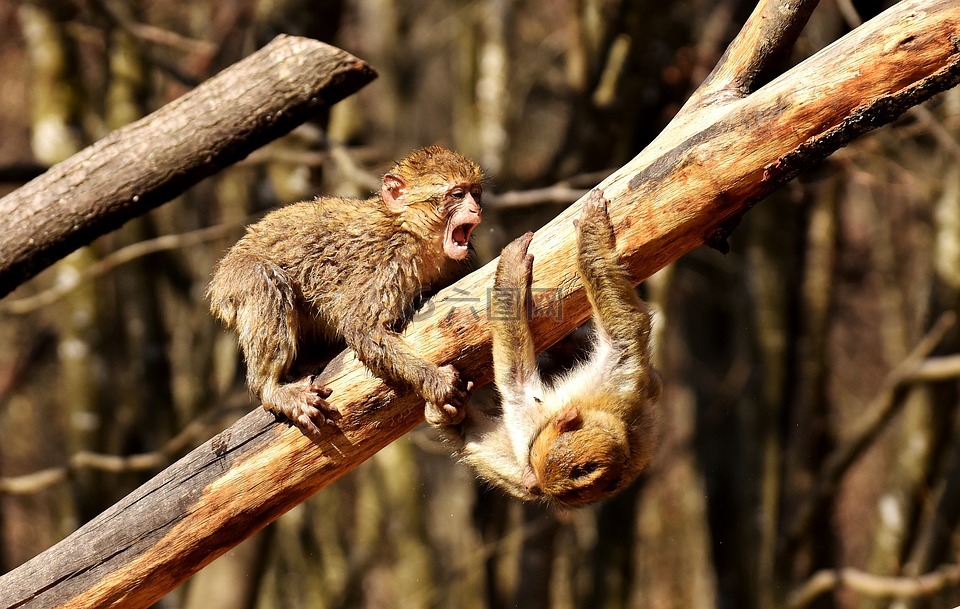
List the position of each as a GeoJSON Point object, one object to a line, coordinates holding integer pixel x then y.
{"type": "Point", "coordinates": [686, 189]}
{"type": "Point", "coordinates": [147, 163]}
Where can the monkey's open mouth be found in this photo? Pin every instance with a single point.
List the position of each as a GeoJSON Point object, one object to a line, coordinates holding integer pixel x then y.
{"type": "Point", "coordinates": [457, 242]}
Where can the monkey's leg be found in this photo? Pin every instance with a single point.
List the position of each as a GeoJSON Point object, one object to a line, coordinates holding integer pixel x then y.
{"type": "Point", "coordinates": [268, 325]}
{"type": "Point", "coordinates": [514, 360]}
{"type": "Point", "coordinates": [620, 314]}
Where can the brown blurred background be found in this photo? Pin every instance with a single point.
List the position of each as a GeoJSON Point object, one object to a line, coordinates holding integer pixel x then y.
{"type": "Point", "coordinates": [780, 358]}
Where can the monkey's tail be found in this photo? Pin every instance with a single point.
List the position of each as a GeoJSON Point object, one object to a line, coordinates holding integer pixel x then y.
{"type": "Point", "coordinates": [220, 293]}
{"type": "Point", "coordinates": [245, 284]}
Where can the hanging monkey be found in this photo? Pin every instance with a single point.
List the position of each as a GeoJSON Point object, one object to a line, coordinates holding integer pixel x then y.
{"type": "Point", "coordinates": [590, 433]}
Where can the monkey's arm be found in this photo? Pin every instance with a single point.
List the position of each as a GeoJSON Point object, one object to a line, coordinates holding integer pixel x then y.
{"type": "Point", "coordinates": [389, 356]}
{"type": "Point", "coordinates": [525, 407]}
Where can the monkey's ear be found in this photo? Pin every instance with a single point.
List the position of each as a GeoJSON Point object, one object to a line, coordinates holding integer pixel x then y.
{"type": "Point", "coordinates": [392, 192]}
{"type": "Point", "coordinates": [569, 419]}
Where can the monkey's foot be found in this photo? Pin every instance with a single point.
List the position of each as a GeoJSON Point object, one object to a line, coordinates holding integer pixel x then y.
{"type": "Point", "coordinates": [304, 403]}
{"type": "Point", "coordinates": [445, 415]}
{"type": "Point", "coordinates": [446, 398]}
{"type": "Point", "coordinates": [594, 222]}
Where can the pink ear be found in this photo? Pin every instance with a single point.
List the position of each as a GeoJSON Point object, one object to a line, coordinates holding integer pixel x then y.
{"type": "Point", "coordinates": [392, 192]}
{"type": "Point", "coordinates": [568, 419]}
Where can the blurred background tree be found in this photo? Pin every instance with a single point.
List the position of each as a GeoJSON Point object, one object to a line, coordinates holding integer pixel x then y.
{"type": "Point", "coordinates": [810, 454]}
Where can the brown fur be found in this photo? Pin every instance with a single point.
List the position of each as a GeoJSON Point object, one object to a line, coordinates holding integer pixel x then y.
{"type": "Point", "coordinates": [349, 268]}
{"type": "Point", "coordinates": [590, 434]}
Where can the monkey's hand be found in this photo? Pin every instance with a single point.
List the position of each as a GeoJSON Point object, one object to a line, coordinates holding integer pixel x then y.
{"type": "Point", "coordinates": [594, 228]}
{"type": "Point", "coordinates": [304, 403]}
{"type": "Point", "coordinates": [515, 269]}
{"type": "Point", "coordinates": [446, 395]}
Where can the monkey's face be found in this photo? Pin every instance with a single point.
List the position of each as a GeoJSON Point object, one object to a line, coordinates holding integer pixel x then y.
{"type": "Point", "coordinates": [437, 193]}
{"type": "Point", "coordinates": [579, 465]}
{"type": "Point", "coordinates": [462, 204]}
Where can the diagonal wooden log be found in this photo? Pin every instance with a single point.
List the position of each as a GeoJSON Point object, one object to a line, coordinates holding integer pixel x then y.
{"type": "Point", "coordinates": [149, 162]}
{"type": "Point", "coordinates": [687, 188]}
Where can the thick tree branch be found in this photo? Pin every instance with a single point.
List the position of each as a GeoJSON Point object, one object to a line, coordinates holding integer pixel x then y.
{"type": "Point", "coordinates": [761, 47]}
{"type": "Point", "coordinates": [149, 162]}
{"type": "Point", "coordinates": [687, 188]}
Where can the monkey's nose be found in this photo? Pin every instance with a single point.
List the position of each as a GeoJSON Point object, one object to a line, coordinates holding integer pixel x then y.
{"type": "Point", "coordinates": [530, 483]}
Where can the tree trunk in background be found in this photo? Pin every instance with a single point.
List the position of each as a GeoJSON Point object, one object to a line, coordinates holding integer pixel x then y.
{"type": "Point", "coordinates": [57, 124]}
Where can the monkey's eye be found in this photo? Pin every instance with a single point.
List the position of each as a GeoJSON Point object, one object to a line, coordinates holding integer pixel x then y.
{"type": "Point", "coordinates": [583, 469]}
{"type": "Point", "coordinates": [459, 194]}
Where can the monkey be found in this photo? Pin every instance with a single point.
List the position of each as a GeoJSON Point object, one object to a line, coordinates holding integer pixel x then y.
{"type": "Point", "coordinates": [590, 433]}
{"type": "Point", "coordinates": [350, 269]}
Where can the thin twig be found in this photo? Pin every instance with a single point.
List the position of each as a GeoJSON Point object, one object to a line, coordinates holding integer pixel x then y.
{"type": "Point", "coordinates": [193, 433]}
{"type": "Point", "coordinates": [872, 585]}
{"type": "Point", "coordinates": [934, 125]}
{"type": "Point", "coordinates": [934, 369]}
{"type": "Point", "coordinates": [537, 196]}
{"type": "Point", "coordinates": [29, 304]}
